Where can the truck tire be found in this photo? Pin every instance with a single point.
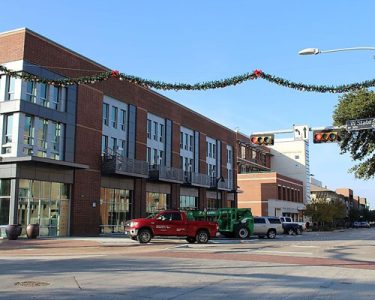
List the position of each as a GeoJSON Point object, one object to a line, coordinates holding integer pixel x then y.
{"type": "Point", "coordinates": [243, 232]}
{"type": "Point", "coordinates": [191, 240]}
{"type": "Point", "coordinates": [271, 234]}
{"type": "Point", "coordinates": [299, 231]}
{"type": "Point", "coordinates": [144, 236]}
{"type": "Point", "coordinates": [291, 231]}
{"type": "Point", "coordinates": [202, 237]}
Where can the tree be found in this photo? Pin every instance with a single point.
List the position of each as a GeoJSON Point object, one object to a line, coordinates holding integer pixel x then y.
{"type": "Point", "coordinates": [360, 144]}
{"type": "Point", "coordinates": [323, 211]}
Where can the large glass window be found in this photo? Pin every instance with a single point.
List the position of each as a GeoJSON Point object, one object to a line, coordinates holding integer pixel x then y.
{"type": "Point", "coordinates": [104, 143]}
{"type": "Point", "coordinates": [114, 209]}
{"type": "Point", "coordinates": [31, 91]}
{"type": "Point", "coordinates": [42, 138]}
{"type": "Point", "coordinates": [155, 202]}
{"type": "Point", "coordinates": [43, 91]}
{"type": "Point", "coordinates": [28, 135]}
{"type": "Point", "coordinates": [44, 203]}
{"type": "Point", "coordinates": [188, 202]}
{"type": "Point", "coordinates": [10, 88]}
{"type": "Point", "coordinates": [149, 129]}
{"type": "Point", "coordinates": [4, 201]}
{"type": "Point", "coordinates": [105, 114]}
{"type": "Point", "coordinates": [122, 119]}
{"type": "Point", "coordinates": [114, 110]}
{"type": "Point", "coordinates": [7, 134]}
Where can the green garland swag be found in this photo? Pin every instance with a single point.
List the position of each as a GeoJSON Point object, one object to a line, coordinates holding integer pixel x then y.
{"type": "Point", "coordinates": [159, 85]}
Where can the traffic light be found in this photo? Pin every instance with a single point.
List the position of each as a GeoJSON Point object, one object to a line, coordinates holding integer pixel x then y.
{"type": "Point", "coordinates": [262, 139]}
{"type": "Point", "coordinates": [326, 136]}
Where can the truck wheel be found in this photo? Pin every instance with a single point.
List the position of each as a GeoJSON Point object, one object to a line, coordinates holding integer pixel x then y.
{"type": "Point", "coordinates": [243, 232]}
{"type": "Point", "coordinates": [202, 237]}
{"type": "Point", "coordinates": [299, 231]}
{"type": "Point", "coordinates": [271, 234]}
{"type": "Point", "coordinates": [291, 231]}
{"type": "Point", "coordinates": [191, 240]}
{"type": "Point", "coordinates": [144, 236]}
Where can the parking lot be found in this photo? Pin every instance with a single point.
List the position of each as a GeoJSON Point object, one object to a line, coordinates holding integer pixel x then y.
{"type": "Point", "coordinates": [315, 265]}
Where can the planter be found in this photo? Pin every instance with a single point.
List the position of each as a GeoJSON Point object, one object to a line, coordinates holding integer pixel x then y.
{"type": "Point", "coordinates": [32, 231]}
{"type": "Point", "coordinates": [13, 231]}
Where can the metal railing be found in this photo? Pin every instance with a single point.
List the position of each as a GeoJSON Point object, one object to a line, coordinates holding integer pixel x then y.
{"type": "Point", "coordinates": [165, 173]}
{"type": "Point", "coordinates": [114, 162]}
{"type": "Point", "coordinates": [199, 179]}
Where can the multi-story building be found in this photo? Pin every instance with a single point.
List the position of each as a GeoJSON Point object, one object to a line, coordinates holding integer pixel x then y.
{"type": "Point", "coordinates": [82, 159]}
{"type": "Point", "coordinates": [265, 191]}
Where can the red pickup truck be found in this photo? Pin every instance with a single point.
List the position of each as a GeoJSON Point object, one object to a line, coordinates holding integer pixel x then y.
{"type": "Point", "coordinates": [171, 223]}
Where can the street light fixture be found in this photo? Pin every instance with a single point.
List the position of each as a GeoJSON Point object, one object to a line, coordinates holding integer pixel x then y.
{"type": "Point", "coordinates": [314, 51]}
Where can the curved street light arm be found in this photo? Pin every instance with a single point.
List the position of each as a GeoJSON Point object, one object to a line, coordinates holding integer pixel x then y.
{"type": "Point", "coordinates": [314, 51]}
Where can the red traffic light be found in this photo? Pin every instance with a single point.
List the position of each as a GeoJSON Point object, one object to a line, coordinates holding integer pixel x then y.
{"type": "Point", "coordinates": [262, 139]}
{"type": "Point", "coordinates": [326, 136]}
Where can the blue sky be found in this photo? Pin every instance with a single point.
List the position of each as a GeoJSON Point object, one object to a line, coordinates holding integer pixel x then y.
{"type": "Point", "coordinates": [192, 41]}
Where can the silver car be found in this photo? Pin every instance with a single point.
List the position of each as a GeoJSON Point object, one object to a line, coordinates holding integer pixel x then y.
{"type": "Point", "coordinates": [267, 226]}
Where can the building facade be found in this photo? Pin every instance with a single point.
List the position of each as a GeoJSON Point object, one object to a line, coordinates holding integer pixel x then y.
{"type": "Point", "coordinates": [83, 159]}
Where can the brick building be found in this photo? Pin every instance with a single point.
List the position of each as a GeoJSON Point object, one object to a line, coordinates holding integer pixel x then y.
{"type": "Point", "coordinates": [83, 159]}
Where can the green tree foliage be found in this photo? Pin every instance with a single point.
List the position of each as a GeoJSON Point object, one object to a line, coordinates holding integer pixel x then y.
{"type": "Point", "coordinates": [326, 212]}
{"type": "Point", "coordinates": [360, 144]}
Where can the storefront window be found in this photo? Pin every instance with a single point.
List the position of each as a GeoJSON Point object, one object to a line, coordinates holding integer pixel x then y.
{"type": "Point", "coordinates": [43, 202]}
{"type": "Point", "coordinates": [114, 209]}
{"type": "Point", "coordinates": [188, 202]}
{"type": "Point", "coordinates": [4, 201]}
{"type": "Point", "coordinates": [155, 202]}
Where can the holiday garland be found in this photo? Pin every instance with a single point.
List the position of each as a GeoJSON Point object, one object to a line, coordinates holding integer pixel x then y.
{"type": "Point", "coordinates": [159, 85]}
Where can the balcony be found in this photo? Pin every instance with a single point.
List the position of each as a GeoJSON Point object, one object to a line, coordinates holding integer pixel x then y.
{"type": "Point", "coordinates": [223, 184]}
{"type": "Point", "coordinates": [117, 164]}
{"type": "Point", "coordinates": [163, 173]}
{"type": "Point", "coordinates": [202, 180]}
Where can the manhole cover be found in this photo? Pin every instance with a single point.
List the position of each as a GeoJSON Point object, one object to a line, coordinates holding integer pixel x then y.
{"type": "Point", "coordinates": [31, 283]}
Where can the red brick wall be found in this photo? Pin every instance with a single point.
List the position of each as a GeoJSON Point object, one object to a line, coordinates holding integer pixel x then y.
{"type": "Point", "coordinates": [11, 46]}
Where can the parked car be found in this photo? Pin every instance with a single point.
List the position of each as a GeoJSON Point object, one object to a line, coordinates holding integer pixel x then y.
{"type": "Point", "coordinates": [290, 220]}
{"type": "Point", "coordinates": [267, 226]}
{"type": "Point", "coordinates": [290, 227]}
{"type": "Point", "coordinates": [170, 223]}
{"type": "Point", "coordinates": [364, 225]}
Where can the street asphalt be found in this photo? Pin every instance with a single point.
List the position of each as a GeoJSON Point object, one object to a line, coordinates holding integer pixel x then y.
{"type": "Point", "coordinates": [325, 265]}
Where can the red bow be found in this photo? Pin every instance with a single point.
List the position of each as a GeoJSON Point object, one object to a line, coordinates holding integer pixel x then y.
{"type": "Point", "coordinates": [258, 73]}
{"type": "Point", "coordinates": [115, 74]}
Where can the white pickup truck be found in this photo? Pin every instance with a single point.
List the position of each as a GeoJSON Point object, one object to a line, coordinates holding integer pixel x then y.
{"type": "Point", "coordinates": [289, 220]}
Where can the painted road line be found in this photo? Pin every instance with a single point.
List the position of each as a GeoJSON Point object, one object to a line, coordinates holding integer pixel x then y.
{"type": "Point", "coordinates": [282, 252]}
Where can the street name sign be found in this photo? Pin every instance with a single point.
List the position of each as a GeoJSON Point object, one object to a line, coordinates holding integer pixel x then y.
{"type": "Point", "coordinates": [360, 124]}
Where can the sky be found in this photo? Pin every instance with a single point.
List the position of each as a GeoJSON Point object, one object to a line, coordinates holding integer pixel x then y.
{"type": "Point", "coordinates": [194, 41]}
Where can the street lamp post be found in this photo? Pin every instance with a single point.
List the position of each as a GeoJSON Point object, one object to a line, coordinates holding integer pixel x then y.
{"type": "Point", "coordinates": [314, 51]}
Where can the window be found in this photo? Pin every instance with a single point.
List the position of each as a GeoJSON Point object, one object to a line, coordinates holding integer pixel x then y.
{"type": "Point", "coordinates": [113, 144]}
{"type": "Point", "coordinates": [181, 140]}
{"type": "Point", "coordinates": [229, 156]}
{"type": "Point", "coordinates": [213, 151]}
{"type": "Point", "coordinates": [42, 138]}
{"type": "Point", "coordinates": [148, 156]}
{"type": "Point", "coordinates": [105, 114]}
{"type": "Point", "coordinates": [259, 221]}
{"type": "Point", "coordinates": [254, 154]}
{"type": "Point", "coordinates": [155, 131]}
{"type": "Point", "coordinates": [186, 141]}
{"type": "Point", "coordinates": [10, 87]}
{"type": "Point", "coordinates": [274, 220]}
{"type": "Point", "coordinates": [104, 143]}
{"type": "Point", "coordinates": [114, 116]}
{"type": "Point", "coordinates": [188, 202]}
{"type": "Point", "coordinates": [191, 143]}
{"type": "Point", "coordinates": [8, 126]}
{"type": "Point", "coordinates": [31, 91]}
{"type": "Point", "coordinates": [56, 97]}
{"type": "Point", "coordinates": [161, 156]}
{"type": "Point", "coordinates": [243, 152]}
{"type": "Point", "coordinates": [176, 216]}
{"type": "Point", "coordinates": [7, 134]}
{"type": "Point", "coordinates": [149, 129]}
{"type": "Point", "coordinates": [155, 157]}
{"type": "Point", "coordinates": [28, 134]}
{"type": "Point", "coordinates": [121, 147]}
{"type": "Point", "coordinates": [43, 90]}
{"type": "Point", "coordinates": [161, 137]}
{"type": "Point", "coordinates": [122, 119]}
